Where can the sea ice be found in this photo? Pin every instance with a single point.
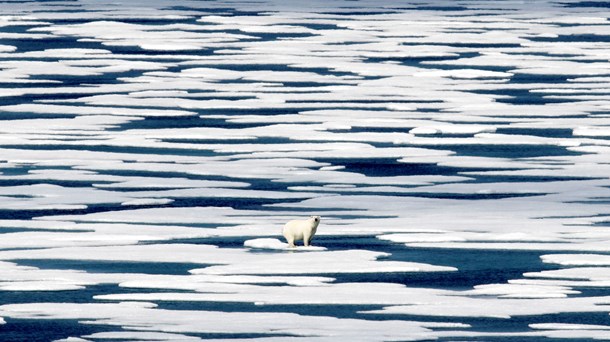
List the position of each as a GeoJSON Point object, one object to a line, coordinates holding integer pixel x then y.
{"type": "Point", "coordinates": [146, 319]}
{"type": "Point", "coordinates": [410, 128]}
{"type": "Point", "coordinates": [275, 244]}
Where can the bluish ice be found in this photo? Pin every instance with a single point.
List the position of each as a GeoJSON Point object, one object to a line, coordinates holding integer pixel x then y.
{"type": "Point", "coordinates": [457, 152]}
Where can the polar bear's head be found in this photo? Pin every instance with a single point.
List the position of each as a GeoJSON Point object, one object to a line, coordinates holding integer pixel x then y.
{"type": "Point", "coordinates": [315, 220]}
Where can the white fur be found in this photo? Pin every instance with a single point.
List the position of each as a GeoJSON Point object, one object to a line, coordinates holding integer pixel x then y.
{"type": "Point", "coordinates": [296, 230]}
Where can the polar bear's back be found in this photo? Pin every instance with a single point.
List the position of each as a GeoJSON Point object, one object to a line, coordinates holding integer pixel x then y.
{"type": "Point", "coordinates": [296, 228]}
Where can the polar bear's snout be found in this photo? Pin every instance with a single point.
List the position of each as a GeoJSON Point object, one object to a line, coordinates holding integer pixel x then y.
{"type": "Point", "coordinates": [297, 230]}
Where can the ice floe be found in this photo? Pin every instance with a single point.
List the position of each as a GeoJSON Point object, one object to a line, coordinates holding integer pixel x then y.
{"type": "Point", "coordinates": [275, 244]}
{"type": "Point", "coordinates": [577, 259]}
{"type": "Point", "coordinates": [494, 308]}
{"type": "Point", "coordinates": [145, 319]}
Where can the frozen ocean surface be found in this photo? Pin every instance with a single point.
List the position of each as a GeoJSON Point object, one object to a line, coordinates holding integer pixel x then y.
{"type": "Point", "coordinates": [458, 153]}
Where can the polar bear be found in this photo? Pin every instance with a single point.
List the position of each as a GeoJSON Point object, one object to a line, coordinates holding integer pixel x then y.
{"type": "Point", "coordinates": [296, 230]}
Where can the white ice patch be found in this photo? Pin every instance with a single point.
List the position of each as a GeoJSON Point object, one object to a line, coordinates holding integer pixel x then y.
{"type": "Point", "coordinates": [464, 73]}
{"type": "Point", "coordinates": [234, 261]}
{"type": "Point", "coordinates": [90, 110]}
{"type": "Point", "coordinates": [7, 48]}
{"type": "Point", "coordinates": [572, 331]}
{"type": "Point", "coordinates": [205, 282]}
{"type": "Point", "coordinates": [114, 33]}
{"type": "Point", "coordinates": [458, 306]}
{"type": "Point", "coordinates": [421, 237]}
{"type": "Point", "coordinates": [148, 201]}
{"type": "Point", "coordinates": [331, 294]}
{"type": "Point", "coordinates": [38, 286]}
{"type": "Point", "coordinates": [451, 129]}
{"type": "Point", "coordinates": [425, 131]}
{"type": "Point", "coordinates": [275, 244]}
{"type": "Point", "coordinates": [140, 336]}
{"type": "Point", "coordinates": [166, 183]}
{"type": "Point", "coordinates": [563, 326]}
{"type": "Point", "coordinates": [521, 291]}
{"type": "Point", "coordinates": [323, 262]}
{"type": "Point", "coordinates": [592, 131]}
{"type": "Point", "coordinates": [593, 276]}
{"type": "Point", "coordinates": [146, 319]}
{"type": "Point", "coordinates": [577, 259]}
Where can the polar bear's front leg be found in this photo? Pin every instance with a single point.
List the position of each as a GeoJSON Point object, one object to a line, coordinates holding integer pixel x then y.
{"type": "Point", "coordinates": [307, 239]}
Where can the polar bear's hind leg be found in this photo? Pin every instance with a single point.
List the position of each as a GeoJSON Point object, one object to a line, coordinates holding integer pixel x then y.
{"type": "Point", "coordinates": [290, 241]}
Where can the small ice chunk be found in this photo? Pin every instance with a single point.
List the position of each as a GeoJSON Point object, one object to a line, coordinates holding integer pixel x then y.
{"type": "Point", "coordinates": [141, 336]}
{"type": "Point", "coordinates": [275, 244]}
{"type": "Point", "coordinates": [421, 237]}
{"type": "Point", "coordinates": [577, 259]}
{"type": "Point", "coordinates": [591, 131]}
{"type": "Point", "coordinates": [452, 129]}
{"type": "Point", "coordinates": [39, 286]}
{"type": "Point", "coordinates": [464, 74]}
{"type": "Point", "coordinates": [148, 201]}
{"type": "Point", "coordinates": [72, 339]}
{"type": "Point", "coordinates": [424, 131]}
{"type": "Point", "coordinates": [522, 291]}
{"type": "Point", "coordinates": [567, 326]}
{"type": "Point", "coordinates": [7, 48]}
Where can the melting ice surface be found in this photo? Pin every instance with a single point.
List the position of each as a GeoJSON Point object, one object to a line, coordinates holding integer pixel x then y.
{"type": "Point", "coordinates": [458, 153]}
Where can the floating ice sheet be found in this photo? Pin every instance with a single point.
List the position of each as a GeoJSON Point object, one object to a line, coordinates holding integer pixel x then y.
{"type": "Point", "coordinates": [275, 244]}
{"type": "Point", "coordinates": [577, 259]}
{"type": "Point", "coordinates": [493, 308]}
{"type": "Point", "coordinates": [145, 318]}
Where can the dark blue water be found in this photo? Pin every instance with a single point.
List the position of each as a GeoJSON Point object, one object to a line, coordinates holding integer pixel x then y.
{"type": "Point", "coordinates": [46, 330]}
{"type": "Point", "coordinates": [587, 4]}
